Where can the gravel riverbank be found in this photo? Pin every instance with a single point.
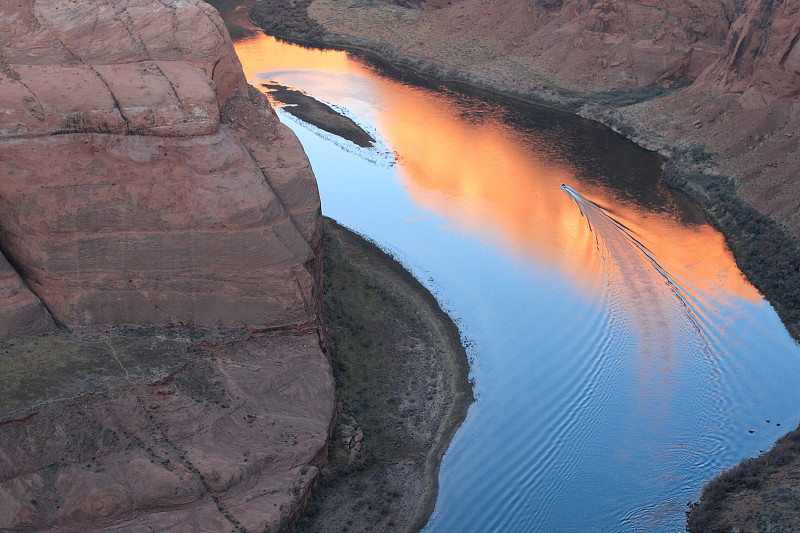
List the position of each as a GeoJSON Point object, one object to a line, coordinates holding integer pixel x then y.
{"type": "Point", "coordinates": [402, 390]}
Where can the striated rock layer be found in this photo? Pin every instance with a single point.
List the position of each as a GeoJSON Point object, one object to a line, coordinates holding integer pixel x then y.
{"type": "Point", "coordinates": [128, 195]}
{"type": "Point", "coordinates": [144, 183]}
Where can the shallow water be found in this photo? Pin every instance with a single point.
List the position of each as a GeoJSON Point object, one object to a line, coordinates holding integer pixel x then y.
{"type": "Point", "coordinates": [620, 358]}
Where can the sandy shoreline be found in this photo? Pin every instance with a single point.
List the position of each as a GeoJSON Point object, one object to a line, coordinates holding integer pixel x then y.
{"type": "Point", "coordinates": [391, 345]}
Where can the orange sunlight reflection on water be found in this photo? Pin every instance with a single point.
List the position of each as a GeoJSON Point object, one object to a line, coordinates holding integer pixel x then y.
{"type": "Point", "coordinates": [486, 180]}
{"type": "Point", "coordinates": [263, 53]}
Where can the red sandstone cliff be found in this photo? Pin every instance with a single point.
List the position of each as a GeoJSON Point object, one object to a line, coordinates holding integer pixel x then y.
{"type": "Point", "coordinates": [128, 195]}
{"type": "Point", "coordinates": [143, 182]}
{"type": "Point", "coordinates": [746, 109]}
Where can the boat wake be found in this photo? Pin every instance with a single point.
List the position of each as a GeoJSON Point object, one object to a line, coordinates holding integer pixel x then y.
{"type": "Point", "coordinates": [600, 223]}
{"type": "Point", "coordinates": [669, 332]}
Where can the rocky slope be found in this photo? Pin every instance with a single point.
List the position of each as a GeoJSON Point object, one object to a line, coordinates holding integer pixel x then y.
{"type": "Point", "coordinates": [144, 183]}
{"type": "Point", "coordinates": [21, 312]}
{"type": "Point", "coordinates": [562, 45]}
{"type": "Point", "coordinates": [609, 44]}
{"type": "Point", "coordinates": [229, 437]}
{"type": "Point", "coordinates": [745, 108]}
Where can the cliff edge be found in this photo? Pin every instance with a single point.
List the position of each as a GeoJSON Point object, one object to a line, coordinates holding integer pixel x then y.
{"type": "Point", "coordinates": [153, 206]}
{"type": "Point", "coordinates": [133, 191]}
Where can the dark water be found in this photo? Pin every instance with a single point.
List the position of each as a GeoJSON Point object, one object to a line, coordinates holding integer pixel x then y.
{"type": "Point", "coordinates": [620, 358]}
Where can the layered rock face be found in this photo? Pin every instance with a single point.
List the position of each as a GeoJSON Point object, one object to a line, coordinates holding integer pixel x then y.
{"type": "Point", "coordinates": [129, 196]}
{"type": "Point", "coordinates": [745, 108]}
{"type": "Point", "coordinates": [762, 60]}
{"type": "Point", "coordinates": [231, 443]}
{"type": "Point", "coordinates": [21, 313]}
{"type": "Point", "coordinates": [143, 182]}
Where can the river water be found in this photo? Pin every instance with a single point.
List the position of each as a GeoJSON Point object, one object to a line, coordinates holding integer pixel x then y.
{"type": "Point", "coordinates": [620, 358]}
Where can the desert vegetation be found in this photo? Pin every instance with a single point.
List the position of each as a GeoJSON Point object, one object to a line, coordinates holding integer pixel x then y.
{"type": "Point", "coordinates": [401, 390]}
{"type": "Point", "coordinates": [763, 249]}
{"type": "Point", "coordinates": [760, 494]}
{"type": "Point", "coordinates": [287, 19]}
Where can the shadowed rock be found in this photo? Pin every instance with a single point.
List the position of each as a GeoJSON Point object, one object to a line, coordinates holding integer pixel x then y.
{"type": "Point", "coordinates": [21, 312]}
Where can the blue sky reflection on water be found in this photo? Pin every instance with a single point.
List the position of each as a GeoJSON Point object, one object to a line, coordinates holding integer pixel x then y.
{"type": "Point", "coordinates": [605, 397]}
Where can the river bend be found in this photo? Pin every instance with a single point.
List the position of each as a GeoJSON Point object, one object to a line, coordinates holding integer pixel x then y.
{"type": "Point", "coordinates": [620, 358]}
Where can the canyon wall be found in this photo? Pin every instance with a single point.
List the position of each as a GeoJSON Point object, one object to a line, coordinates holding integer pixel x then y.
{"type": "Point", "coordinates": [133, 191]}
{"type": "Point", "coordinates": [745, 108]}
{"type": "Point", "coordinates": [144, 183]}
{"type": "Point", "coordinates": [573, 44]}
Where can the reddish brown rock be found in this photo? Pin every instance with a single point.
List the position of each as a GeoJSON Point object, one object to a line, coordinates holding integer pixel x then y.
{"type": "Point", "coordinates": [762, 63]}
{"type": "Point", "coordinates": [232, 441]}
{"type": "Point", "coordinates": [622, 44]}
{"type": "Point", "coordinates": [125, 200]}
{"type": "Point", "coordinates": [143, 182]}
{"type": "Point", "coordinates": [747, 104]}
{"type": "Point", "coordinates": [609, 44]}
{"type": "Point", "coordinates": [21, 312]}
{"type": "Point", "coordinates": [153, 230]}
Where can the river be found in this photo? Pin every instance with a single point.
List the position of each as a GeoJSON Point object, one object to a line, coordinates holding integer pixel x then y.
{"type": "Point", "coordinates": [620, 358]}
